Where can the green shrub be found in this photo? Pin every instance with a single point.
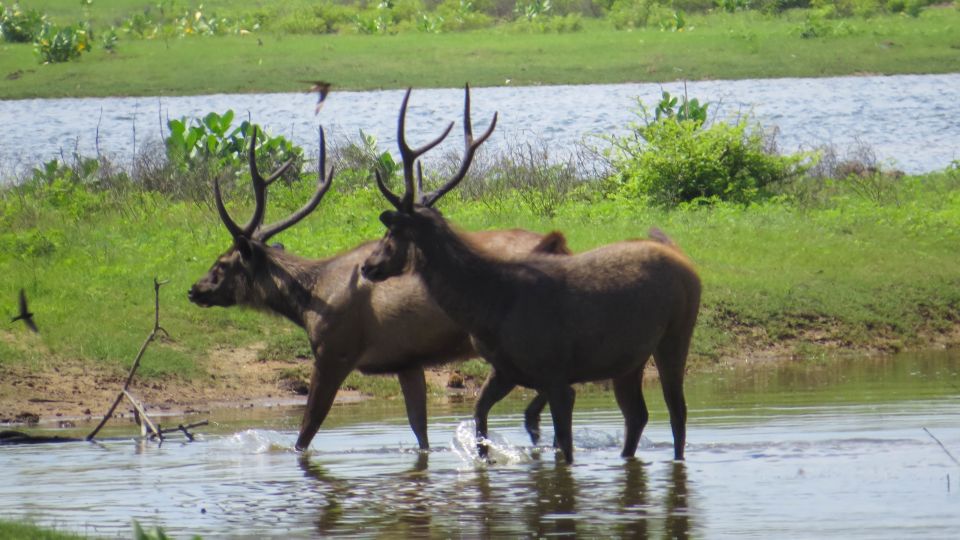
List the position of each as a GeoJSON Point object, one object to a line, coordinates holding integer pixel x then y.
{"type": "Point", "coordinates": [548, 24]}
{"type": "Point", "coordinates": [676, 159]}
{"type": "Point", "coordinates": [322, 18]}
{"type": "Point", "coordinates": [20, 26]}
{"type": "Point", "coordinates": [214, 138]}
{"type": "Point", "coordinates": [55, 45]}
{"type": "Point", "coordinates": [625, 14]}
{"type": "Point", "coordinates": [460, 15]}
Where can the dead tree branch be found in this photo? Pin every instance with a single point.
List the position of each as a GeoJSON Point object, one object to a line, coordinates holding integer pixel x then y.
{"type": "Point", "coordinates": [133, 369]}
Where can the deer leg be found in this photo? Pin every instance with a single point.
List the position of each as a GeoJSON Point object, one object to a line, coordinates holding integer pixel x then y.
{"type": "Point", "coordinates": [531, 417]}
{"type": "Point", "coordinates": [495, 388]}
{"type": "Point", "coordinates": [670, 360]}
{"type": "Point", "coordinates": [561, 409]}
{"type": "Point", "coordinates": [413, 385]}
{"type": "Point", "coordinates": [628, 390]}
{"type": "Point", "coordinates": [324, 384]}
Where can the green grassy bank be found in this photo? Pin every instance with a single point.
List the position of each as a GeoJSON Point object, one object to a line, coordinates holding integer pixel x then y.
{"type": "Point", "coordinates": [15, 530]}
{"type": "Point", "coordinates": [842, 268]}
{"type": "Point", "coordinates": [712, 46]}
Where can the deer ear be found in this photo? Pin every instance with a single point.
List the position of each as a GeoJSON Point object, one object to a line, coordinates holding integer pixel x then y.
{"type": "Point", "coordinates": [391, 218]}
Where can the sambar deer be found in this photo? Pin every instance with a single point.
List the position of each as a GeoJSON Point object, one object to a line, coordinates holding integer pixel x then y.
{"type": "Point", "coordinates": [546, 322]}
{"type": "Point", "coordinates": [351, 323]}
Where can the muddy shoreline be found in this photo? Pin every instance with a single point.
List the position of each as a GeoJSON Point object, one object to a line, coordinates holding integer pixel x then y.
{"type": "Point", "coordinates": [76, 392]}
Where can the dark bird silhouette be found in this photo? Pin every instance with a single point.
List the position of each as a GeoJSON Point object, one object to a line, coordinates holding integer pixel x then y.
{"type": "Point", "coordinates": [25, 314]}
{"type": "Point", "coordinates": [322, 88]}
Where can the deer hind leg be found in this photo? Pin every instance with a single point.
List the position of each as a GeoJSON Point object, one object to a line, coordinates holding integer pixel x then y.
{"type": "Point", "coordinates": [628, 389]}
{"type": "Point", "coordinates": [531, 416]}
{"type": "Point", "coordinates": [413, 385]}
{"type": "Point", "coordinates": [561, 399]}
{"type": "Point", "coordinates": [671, 356]}
{"type": "Point", "coordinates": [495, 388]}
{"type": "Point", "coordinates": [324, 384]}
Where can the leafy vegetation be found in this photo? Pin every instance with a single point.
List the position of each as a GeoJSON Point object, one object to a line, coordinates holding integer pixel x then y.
{"type": "Point", "coordinates": [675, 158]}
{"type": "Point", "coordinates": [192, 142]}
{"type": "Point", "coordinates": [54, 44]}
{"type": "Point", "coordinates": [119, 24]}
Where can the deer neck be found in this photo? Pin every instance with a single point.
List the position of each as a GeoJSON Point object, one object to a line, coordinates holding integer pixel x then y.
{"type": "Point", "coordinates": [287, 289]}
{"type": "Point", "coordinates": [472, 288]}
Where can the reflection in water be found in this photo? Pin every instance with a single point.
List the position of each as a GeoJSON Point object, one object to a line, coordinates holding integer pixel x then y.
{"type": "Point", "coordinates": [414, 508]}
{"type": "Point", "coordinates": [544, 498]}
{"type": "Point", "coordinates": [334, 490]}
{"type": "Point", "coordinates": [553, 512]}
{"type": "Point", "coordinates": [678, 518]}
{"type": "Point", "coordinates": [634, 500]}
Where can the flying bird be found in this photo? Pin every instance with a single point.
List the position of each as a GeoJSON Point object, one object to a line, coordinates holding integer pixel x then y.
{"type": "Point", "coordinates": [322, 88]}
{"type": "Point", "coordinates": [25, 314]}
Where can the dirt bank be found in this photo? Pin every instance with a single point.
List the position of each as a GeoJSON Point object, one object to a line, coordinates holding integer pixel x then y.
{"type": "Point", "coordinates": [73, 390]}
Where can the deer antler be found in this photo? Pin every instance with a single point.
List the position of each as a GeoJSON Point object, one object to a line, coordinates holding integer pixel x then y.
{"type": "Point", "coordinates": [259, 194]}
{"type": "Point", "coordinates": [254, 229]}
{"type": "Point", "coordinates": [409, 157]}
{"type": "Point", "coordinates": [324, 180]}
{"type": "Point", "coordinates": [470, 150]}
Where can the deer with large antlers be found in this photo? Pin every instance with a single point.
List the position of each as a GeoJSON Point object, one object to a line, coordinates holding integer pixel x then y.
{"type": "Point", "coordinates": [547, 322]}
{"type": "Point", "coordinates": [351, 323]}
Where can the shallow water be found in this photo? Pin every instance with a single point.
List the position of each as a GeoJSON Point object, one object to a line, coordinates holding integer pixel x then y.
{"type": "Point", "coordinates": [836, 449]}
{"type": "Point", "coordinates": [910, 121]}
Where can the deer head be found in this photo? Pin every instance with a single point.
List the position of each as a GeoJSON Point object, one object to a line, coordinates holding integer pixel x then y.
{"type": "Point", "coordinates": [231, 278]}
{"type": "Point", "coordinates": [393, 254]}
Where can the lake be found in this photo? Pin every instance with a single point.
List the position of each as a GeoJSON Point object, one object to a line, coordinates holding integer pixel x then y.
{"type": "Point", "coordinates": [909, 122]}
{"type": "Point", "coordinates": [840, 448]}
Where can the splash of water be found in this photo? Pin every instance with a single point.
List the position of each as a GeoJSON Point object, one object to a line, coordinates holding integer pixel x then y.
{"type": "Point", "coordinates": [501, 450]}
{"type": "Point", "coordinates": [258, 441]}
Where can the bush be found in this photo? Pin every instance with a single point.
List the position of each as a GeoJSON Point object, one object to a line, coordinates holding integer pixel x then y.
{"type": "Point", "coordinates": [631, 13]}
{"type": "Point", "coordinates": [214, 138]}
{"type": "Point", "coordinates": [55, 45]}
{"type": "Point", "coordinates": [20, 26]}
{"type": "Point", "coordinates": [677, 159]}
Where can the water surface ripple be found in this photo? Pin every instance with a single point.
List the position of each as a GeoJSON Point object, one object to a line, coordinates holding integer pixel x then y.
{"type": "Point", "coordinates": [911, 122]}
{"type": "Point", "coordinates": [848, 459]}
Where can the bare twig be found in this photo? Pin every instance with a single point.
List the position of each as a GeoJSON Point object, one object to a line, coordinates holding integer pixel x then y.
{"type": "Point", "coordinates": [136, 363]}
{"type": "Point", "coordinates": [143, 414]}
{"type": "Point", "coordinates": [185, 428]}
{"type": "Point", "coordinates": [942, 446]}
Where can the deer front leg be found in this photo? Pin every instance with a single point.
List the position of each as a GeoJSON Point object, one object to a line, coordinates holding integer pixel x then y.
{"type": "Point", "coordinates": [562, 397]}
{"type": "Point", "coordinates": [495, 388]}
{"type": "Point", "coordinates": [531, 416]}
{"type": "Point", "coordinates": [413, 385]}
{"type": "Point", "coordinates": [328, 375]}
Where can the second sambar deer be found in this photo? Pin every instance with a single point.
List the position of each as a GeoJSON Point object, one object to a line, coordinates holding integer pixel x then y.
{"type": "Point", "coordinates": [547, 322]}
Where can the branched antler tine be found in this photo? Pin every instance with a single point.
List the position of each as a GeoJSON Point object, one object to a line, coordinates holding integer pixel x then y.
{"type": "Point", "coordinates": [409, 155]}
{"type": "Point", "coordinates": [259, 189]}
{"type": "Point", "coordinates": [389, 195]}
{"type": "Point", "coordinates": [420, 194]}
{"type": "Point", "coordinates": [279, 172]}
{"type": "Point", "coordinates": [471, 145]}
{"type": "Point", "coordinates": [324, 180]}
{"type": "Point", "coordinates": [231, 225]}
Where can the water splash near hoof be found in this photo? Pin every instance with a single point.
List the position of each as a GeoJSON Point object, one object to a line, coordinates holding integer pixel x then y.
{"type": "Point", "coordinates": [259, 441]}
{"type": "Point", "coordinates": [500, 450]}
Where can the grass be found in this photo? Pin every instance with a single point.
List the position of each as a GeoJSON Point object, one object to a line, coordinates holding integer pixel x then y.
{"type": "Point", "coordinates": [719, 46]}
{"type": "Point", "coordinates": [844, 271]}
{"type": "Point", "coordinates": [16, 530]}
